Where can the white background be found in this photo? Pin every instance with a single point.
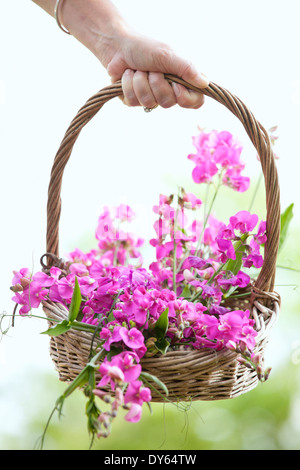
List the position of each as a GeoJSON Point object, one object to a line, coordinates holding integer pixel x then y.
{"type": "Point", "coordinates": [250, 48]}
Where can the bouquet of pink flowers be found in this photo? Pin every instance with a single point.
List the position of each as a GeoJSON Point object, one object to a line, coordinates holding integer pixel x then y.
{"type": "Point", "coordinates": [178, 302]}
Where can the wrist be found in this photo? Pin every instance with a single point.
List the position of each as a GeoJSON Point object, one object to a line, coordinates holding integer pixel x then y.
{"type": "Point", "coordinates": [97, 25]}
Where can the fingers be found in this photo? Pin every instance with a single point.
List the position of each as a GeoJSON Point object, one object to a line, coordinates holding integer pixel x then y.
{"type": "Point", "coordinates": [162, 90]}
{"type": "Point", "coordinates": [149, 90]}
{"type": "Point", "coordinates": [137, 90]}
{"type": "Point", "coordinates": [187, 98]}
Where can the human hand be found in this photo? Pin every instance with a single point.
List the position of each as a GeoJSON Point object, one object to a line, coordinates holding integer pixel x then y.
{"type": "Point", "coordinates": [141, 64]}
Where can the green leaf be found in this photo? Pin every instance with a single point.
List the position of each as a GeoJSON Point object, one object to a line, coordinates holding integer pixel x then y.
{"type": "Point", "coordinates": [186, 293]}
{"type": "Point", "coordinates": [58, 329]}
{"type": "Point", "coordinates": [160, 330]}
{"type": "Point", "coordinates": [230, 291]}
{"type": "Point", "coordinates": [75, 302]}
{"type": "Point", "coordinates": [161, 325]}
{"type": "Point", "coordinates": [234, 265]}
{"type": "Point", "coordinates": [162, 345]}
{"type": "Point", "coordinates": [285, 220]}
{"type": "Point", "coordinates": [154, 379]}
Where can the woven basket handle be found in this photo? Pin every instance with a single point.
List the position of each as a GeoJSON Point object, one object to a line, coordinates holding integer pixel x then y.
{"type": "Point", "coordinates": [257, 134]}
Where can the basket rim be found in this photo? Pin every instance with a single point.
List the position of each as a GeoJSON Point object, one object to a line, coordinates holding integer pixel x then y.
{"type": "Point", "coordinates": [265, 318]}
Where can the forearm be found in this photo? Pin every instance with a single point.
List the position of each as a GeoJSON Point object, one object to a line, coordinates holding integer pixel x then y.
{"type": "Point", "coordinates": [97, 24]}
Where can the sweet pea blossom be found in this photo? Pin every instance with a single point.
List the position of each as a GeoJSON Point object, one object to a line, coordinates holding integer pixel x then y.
{"type": "Point", "coordinates": [134, 414]}
{"type": "Point", "coordinates": [111, 374]}
{"type": "Point", "coordinates": [234, 180]}
{"type": "Point", "coordinates": [204, 172]}
{"type": "Point", "coordinates": [241, 279]}
{"type": "Point", "coordinates": [226, 250]}
{"type": "Point", "coordinates": [187, 279]}
{"type": "Point", "coordinates": [243, 221]}
{"type": "Point", "coordinates": [218, 153]}
{"type": "Point", "coordinates": [137, 393]}
{"type": "Point", "coordinates": [110, 335]}
{"type": "Point", "coordinates": [192, 201]}
{"type": "Point", "coordinates": [133, 338]}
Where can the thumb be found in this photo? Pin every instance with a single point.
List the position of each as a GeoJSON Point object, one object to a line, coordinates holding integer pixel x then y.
{"type": "Point", "coordinates": [187, 71]}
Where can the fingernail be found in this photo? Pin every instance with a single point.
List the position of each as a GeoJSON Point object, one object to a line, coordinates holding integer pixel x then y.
{"type": "Point", "coordinates": [199, 79]}
{"type": "Point", "coordinates": [176, 89]}
{"type": "Point", "coordinates": [203, 81]}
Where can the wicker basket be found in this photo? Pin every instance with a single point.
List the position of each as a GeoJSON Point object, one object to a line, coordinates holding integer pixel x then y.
{"type": "Point", "coordinates": [189, 375]}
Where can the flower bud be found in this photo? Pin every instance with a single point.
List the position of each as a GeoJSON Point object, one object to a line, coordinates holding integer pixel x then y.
{"type": "Point", "coordinates": [17, 288]}
{"type": "Point", "coordinates": [267, 373]}
{"type": "Point", "coordinates": [243, 347]}
{"type": "Point", "coordinates": [119, 395]}
{"type": "Point", "coordinates": [25, 282]}
{"type": "Point", "coordinates": [188, 276]}
{"type": "Point", "coordinates": [241, 360]}
{"type": "Point", "coordinates": [150, 342]}
{"type": "Point", "coordinates": [255, 358]}
{"type": "Point", "coordinates": [259, 373]}
{"type": "Point", "coordinates": [231, 345]}
{"type": "Point", "coordinates": [104, 419]}
{"type": "Point", "coordinates": [99, 393]}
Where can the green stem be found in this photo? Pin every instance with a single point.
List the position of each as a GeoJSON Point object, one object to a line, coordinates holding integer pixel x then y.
{"type": "Point", "coordinates": [82, 378]}
{"type": "Point", "coordinates": [196, 296]}
{"type": "Point", "coordinates": [237, 296]}
{"type": "Point", "coordinates": [197, 250]}
{"type": "Point", "coordinates": [208, 214]}
{"type": "Point", "coordinates": [175, 247]}
{"type": "Point", "coordinates": [81, 326]}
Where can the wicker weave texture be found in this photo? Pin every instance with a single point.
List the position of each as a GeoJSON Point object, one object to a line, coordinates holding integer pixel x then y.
{"type": "Point", "coordinates": [189, 375]}
{"type": "Point", "coordinates": [204, 374]}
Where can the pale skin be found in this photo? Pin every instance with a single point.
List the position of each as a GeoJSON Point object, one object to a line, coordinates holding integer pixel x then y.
{"type": "Point", "coordinates": [140, 62]}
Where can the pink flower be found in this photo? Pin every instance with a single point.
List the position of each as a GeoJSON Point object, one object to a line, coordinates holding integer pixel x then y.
{"type": "Point", "coordinates": [210, 325]}
{"type": "Point", "coordinates": [161, 227]}
{"type": "Point", "coordinates": [65, 287]}
{"type": "Point", "coordinates": [164, 209]}
{"type": "Point", "coordinates": [191, 201]}
{"type": "Point", "coordinates": [105, 228]}
{"type": "Point", "coordinates": [243, 221]}
{"type": "Point", "coordinates": [261, 236]}
{"type": "Point", "coordinates": [31, 297]}
{"type": "Point", "coordinates": [134, 414]}
{"type": "Point", "coordinates": [241, 279]}
{"type": "Point", "coordinates": [127, 362]}
{"type": "Point", "coordinates": [236, 326]}
{"type": "Point", "coordinates": [196, 262]}
{"type": "Point", "coordinates": [236, 181]}
{"type": "Point", "coordinates": [211, 233]}
{"type": "Point", "coordinates": [79, 269]}
{"type": "Point", "coordinates": [218, 152]}
{"type": "Point", "coordinates": [255, 260]}
{"type": "Point", "coordinates": [133, 338]}
{"type": "Point", "coordinates": [247, 336]}
{"type": "Point", "coordinates": [226, 249]}
{"type": "Point", "coordinates": [227, 150]}
{"type": "Point", "coordinates": [204, 172]}
{"type": "Point", "coordinates": [124, 213]}
{"type": "Point", "coordinates": [136, 393]}
{"type": "Point", "coordinates": [111, 374]}
{"type": "Point", "coordinates": [110, 335]}
{"type": "Point", "coordinates": [21, 278]}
